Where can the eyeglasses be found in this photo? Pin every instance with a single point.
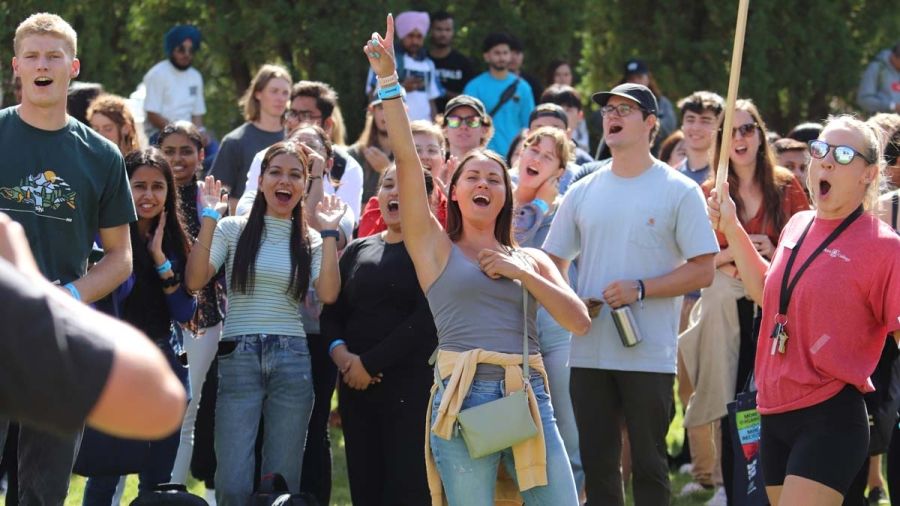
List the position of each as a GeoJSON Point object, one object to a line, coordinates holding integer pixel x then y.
{"type": "Point", "coordinates": [295, 115]}
{"type": "Point", "coordinates": [745, 130]}
{"type": "Point", "coordinates": [842, 154]}
{"type": "Point", "coordinates": [430, 151]}
{"type": "Point", "coordinates": [457, 121]}
{"type": "Point", "coordinates": [621, 110]}
{"type": "Point", "coordinates": [184, 49]}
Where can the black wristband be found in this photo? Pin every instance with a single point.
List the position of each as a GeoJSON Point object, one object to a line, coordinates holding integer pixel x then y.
{"type": "Point", "coordinates": [170, 282]}
{"type": "Point", "coordinates": [641, 293]}
{"type": "Point", "coordinates": [330, 233]}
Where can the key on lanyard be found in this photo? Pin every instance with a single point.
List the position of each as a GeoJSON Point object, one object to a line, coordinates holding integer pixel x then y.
{"type": "Point", "coordinates": [779, 336]}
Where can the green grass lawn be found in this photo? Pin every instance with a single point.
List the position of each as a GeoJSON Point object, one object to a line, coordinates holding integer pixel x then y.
{"type": "Point", "coordinates": [340, 495]}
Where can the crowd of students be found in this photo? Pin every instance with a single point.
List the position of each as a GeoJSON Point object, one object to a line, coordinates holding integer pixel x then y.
{"type": "Point", "coordinates": [291, 269]}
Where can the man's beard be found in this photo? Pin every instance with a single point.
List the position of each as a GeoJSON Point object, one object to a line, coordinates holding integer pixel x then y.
{"type": "Point", "coordinates": [178, 65]}
{"type": "Point", "coordinates": [498, 68]}
{"type": "Point", "coordinates": [437, 45]}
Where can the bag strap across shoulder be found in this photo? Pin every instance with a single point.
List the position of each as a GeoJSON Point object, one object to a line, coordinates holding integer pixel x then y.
{"type": "Point", "coordinates": [525, 374]}
{"type": "Point", "coordinates": [507, 94]}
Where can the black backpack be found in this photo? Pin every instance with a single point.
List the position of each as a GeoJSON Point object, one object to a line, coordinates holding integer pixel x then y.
{"type": "Point", "coordinates": [169, 494]}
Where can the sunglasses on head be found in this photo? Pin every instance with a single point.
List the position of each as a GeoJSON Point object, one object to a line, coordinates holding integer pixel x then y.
{"type": "Point", "coordinates": [457, 121]}
{"type": "Point", "coordinates": [745, 130]}
{"type": "Point", "coordinates": [842, 154]}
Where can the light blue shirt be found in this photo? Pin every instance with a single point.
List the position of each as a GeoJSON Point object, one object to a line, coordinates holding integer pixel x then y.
{"type": "Point", "coordinates": [513, 116]}
{"type": "Point", "coordinates": [627, 229]}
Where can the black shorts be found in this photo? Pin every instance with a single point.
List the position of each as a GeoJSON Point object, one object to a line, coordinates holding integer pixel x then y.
{"type": "Point", "coordinates": [827, 443]}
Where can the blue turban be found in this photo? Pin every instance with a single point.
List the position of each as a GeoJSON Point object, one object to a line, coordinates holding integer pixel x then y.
{"type": "Point", "coordinates": [178, 34]}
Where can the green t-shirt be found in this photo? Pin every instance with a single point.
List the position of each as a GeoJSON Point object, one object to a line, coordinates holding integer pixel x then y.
{"type": "Point", "coordinates": [62, 186]}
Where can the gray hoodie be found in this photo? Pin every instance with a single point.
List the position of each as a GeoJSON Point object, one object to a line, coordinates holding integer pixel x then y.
{"type": "Point", "coordinates": [879, 88]}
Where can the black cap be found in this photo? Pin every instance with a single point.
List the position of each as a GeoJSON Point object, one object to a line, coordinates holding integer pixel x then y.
{"type": "Point", "coordinates": [635, 66]}
{"type": "Point", "coordinates": [637, 92]}
{"type": "Point", "coordinates": [465, 100]}
{"type": "Point", "coordinates": [549, 110]}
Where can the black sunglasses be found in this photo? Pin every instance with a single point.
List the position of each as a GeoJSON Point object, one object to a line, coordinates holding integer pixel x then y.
{"type": "Point", "coordinates": [842, 154]}
{"type": "Point", "coordinates": [745, 130]}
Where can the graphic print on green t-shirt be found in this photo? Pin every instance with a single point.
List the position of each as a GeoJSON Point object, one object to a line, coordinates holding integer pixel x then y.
{"type": "Point", "coordinates": [44, 194]}
{"type": "Point", "coordinates": [63, 187]}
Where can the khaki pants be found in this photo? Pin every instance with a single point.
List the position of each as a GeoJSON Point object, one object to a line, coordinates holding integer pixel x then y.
{"type": "Point", "coordinates": [706, 453]}
{"type": "Point", "coordinates": [704, 439]}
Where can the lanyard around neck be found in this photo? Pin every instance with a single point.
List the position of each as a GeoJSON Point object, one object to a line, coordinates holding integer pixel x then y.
{"type": "Point", "coordinates": [787, 289]}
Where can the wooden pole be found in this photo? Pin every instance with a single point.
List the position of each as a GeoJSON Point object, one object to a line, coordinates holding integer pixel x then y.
{"type": "Point", "coordinates": [734, 78]}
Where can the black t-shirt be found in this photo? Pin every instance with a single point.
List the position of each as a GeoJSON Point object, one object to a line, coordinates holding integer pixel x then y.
{"type": "Point", "coordinates": [381, 313]}
{"type": "Point", "coordinates": [52, 366]}
{"type": "Point", "coordinates": [453, 72]}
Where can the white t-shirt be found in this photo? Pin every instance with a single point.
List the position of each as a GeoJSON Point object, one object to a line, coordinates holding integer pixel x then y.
{"type": "Point", "coordinates": [350, 190]}
{"type": "Point", "coordinates": [628, 229]}
{"type": "Point", "coordinates": [416, 101]}
{"type": "Point", "coordinates": [174, 94]}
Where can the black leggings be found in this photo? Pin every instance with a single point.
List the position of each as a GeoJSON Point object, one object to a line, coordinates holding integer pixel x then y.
{"type": "Point", "coordinates": [827, 442]}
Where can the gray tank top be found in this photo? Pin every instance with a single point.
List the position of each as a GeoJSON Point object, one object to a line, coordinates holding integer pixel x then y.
{"type": "Point", "coordinates": [472, 311]}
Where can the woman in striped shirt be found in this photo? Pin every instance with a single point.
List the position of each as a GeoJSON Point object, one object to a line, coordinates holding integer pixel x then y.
{"type": "Point", "coordinates": [271, 257]}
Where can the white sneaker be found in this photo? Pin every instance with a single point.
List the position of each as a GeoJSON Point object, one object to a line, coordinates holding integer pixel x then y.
{"type": "Point", "coordinates": [686, 468]}
{"type": "Point", "coordinates": [719, 499]}
{"type": "Point", "coordinates": [692, 488]}
{"type": "Point", "coordinates": [210, 496]}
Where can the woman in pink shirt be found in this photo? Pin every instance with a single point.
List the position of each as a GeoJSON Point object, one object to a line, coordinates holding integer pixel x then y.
{"type": "Point", "coordinates": [829, 297]}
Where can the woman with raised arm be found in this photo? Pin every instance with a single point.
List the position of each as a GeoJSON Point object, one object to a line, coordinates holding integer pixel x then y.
{"type": "Point", "coordinates": [475, 279]}
{"type": "Point", "coordinates": [829, 297]}
{"type": "Point", "coordinates": [271, 257]}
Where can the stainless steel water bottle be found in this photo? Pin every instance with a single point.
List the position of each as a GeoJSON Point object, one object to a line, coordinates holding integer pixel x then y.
{"type": "Point", "coordinates": [627, 326]}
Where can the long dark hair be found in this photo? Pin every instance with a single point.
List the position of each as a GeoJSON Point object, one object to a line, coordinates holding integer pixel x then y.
{"type": "Point", "coordinates": [771, 179]}
{"type": "Point", "coordinates": [243, 270]}
{"type": "Point", "coordinates": [503, 230]}
{"type": "Point", "coordinates": [175, 239]}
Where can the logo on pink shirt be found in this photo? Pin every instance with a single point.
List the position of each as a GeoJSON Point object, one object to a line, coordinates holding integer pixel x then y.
{"type": "Point", "coordinates": [836, 253]}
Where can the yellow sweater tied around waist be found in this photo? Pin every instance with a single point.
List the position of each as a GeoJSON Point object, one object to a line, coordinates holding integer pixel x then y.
{"type": "Point", "coordinates": [530, 456]}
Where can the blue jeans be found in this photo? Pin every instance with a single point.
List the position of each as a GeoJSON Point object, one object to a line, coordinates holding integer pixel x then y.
{"type": "Point", "coordinates": [471, 482]}
{"type": "Point", "coordinates": [268, 375]}
{"type": "Point", "coordinates": [556, 342]}
{"type": "Point", "coordinates": [99, 490]}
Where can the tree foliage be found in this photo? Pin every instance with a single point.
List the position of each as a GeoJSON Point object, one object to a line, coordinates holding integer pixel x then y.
{"type": "Point", "coordinates": [802, 59]}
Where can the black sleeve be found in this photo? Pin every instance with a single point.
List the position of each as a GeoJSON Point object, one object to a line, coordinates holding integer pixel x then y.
{"type": "Point", "coordinates": [333, 316]}
{"type": "Point", "coordinates": [406, 338]}
{"type": "Point", "coordinates": [53, 367]}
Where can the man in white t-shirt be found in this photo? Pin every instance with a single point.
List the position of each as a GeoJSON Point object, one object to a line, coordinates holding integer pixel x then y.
{"type": "Point", "coordinates": [416, 70]}
{"type": "Point", "coordinates": [642, 238]}
{"type": "Point", "coordinates": [174, 88]}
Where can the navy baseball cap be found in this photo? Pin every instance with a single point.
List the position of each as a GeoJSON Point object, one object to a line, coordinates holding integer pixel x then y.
{"type": "Point", "coordinates": [636, 92]}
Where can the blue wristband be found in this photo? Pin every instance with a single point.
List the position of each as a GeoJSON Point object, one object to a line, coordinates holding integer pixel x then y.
{"type": "Point", "coordinates": [74, 291]}
{"type": "Point", "coordinates": [166, 266]}
{"type": "Point", "coordinates": [390, 92]}
{"type": "Point", "coordinates": [330, 233]}
{"type": "Point", "coordinates": [209, 212]}
{"type": "Point", "coordinates": [334, 344]}
{"type": "Point", "coordinates": [540, 204]}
